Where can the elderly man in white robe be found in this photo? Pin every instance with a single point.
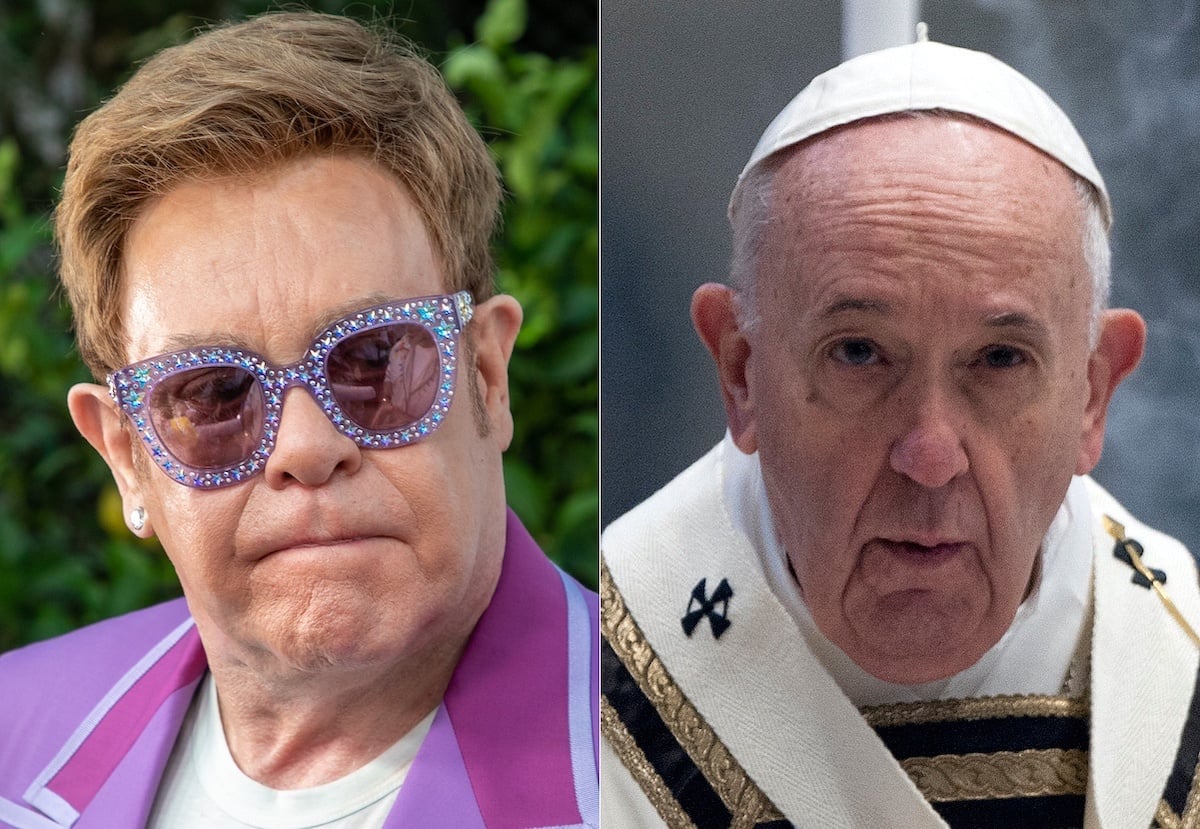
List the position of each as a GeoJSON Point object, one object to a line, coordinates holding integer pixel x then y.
{"type": "Point", "coordinates": [891, 596]}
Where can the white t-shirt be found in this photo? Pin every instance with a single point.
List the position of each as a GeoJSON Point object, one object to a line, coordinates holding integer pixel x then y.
{"type": "Point", "coordinates": [203, 788]}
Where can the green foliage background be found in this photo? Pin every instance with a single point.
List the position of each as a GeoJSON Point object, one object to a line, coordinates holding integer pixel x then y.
{"type": "Point", "coordinates": [527, 76]}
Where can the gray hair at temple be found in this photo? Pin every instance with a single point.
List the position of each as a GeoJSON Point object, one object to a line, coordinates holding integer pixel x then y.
{"type": "Point", "coordinates": [922, 79]}
{"type": "Point", "coordinates": [750, 213]}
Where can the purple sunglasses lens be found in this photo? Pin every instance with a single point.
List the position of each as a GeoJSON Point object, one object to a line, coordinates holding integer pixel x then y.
{"type": "Point", "coordinates": [209, 417]}
{"type": "Point", "coordinates": [385, 378]}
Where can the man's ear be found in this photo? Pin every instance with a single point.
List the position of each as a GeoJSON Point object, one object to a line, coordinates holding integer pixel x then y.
{"type": "Point", "coordinates": [714, 315]}
{"type": "Point", "coordinates": [1118, 351]}
{"type": "Point", "coordinates": [496, 324]}
{"type": "Point", "coordinates": [100, 423]}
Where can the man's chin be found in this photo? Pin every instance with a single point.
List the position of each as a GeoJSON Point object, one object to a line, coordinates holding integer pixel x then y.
{"type": "Point", "coordinates": [333, 652]}
{"type": "Point", "coordinates": [916, 669]}
{"type": "Point", "coordinates": [913, 659]}
{"type": "Point", "coordinates": [314, 638]}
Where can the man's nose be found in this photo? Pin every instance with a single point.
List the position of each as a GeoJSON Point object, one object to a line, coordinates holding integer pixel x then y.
{"type": "Point", "coordinates": [308, 448]}
{"type": "Point", "coordinates": [930, 450]}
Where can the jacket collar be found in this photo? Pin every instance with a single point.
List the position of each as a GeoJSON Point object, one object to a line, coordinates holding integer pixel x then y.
{"type": "Point", "coordinates": [508, 747]}
{"type": "Point", "coordinates": [126, 737]}
{"type": "Point", "coordinates": [513, 744]}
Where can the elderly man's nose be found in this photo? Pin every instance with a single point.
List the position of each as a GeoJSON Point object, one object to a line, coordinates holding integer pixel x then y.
{"type": "Point", "coordinates": [308, 448]}
{"type": "Point", "coordinates": [930, 451]}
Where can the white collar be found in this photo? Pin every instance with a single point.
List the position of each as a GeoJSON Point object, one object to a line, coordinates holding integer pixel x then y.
{"type": "Point", "coordinates": [1034, 655]}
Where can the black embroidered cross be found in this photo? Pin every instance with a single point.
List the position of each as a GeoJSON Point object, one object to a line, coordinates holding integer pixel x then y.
{"type": "Point", "coordinates": [1130, 552]}
{"type": "Point", "coordinates": [700, 605]}
{"type": "Point", "coordinates": [1122, 551]}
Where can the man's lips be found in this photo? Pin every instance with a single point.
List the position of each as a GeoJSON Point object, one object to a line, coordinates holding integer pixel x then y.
{"type": "Point", "coordinates": [927, 540]}
{"type": "Point", "coordinates": [922, 551]}
{"type": "Point", "coordinates": [896, 565]}
{"type": "Point", "coordinates": [917, 548]}
{"type": "Point", "coordinates": [314, 542]}
{"type": "Point", "coordinates": [312, 523]}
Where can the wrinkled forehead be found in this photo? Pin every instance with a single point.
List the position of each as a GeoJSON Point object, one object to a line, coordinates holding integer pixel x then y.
{"type": "Point", "coordinates": [901, 196]}
{"type": "Point", "coordinates": [267, 260]}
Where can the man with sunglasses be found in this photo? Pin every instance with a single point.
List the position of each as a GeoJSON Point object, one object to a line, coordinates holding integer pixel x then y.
{"type": "Point", "coordinates": [275, 241]}
{"type": "Point", "coordinates": [891, 596]}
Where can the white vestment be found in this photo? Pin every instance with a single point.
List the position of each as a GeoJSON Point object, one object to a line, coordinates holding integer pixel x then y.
{"type": "Point", "coordinates": [769, 726]}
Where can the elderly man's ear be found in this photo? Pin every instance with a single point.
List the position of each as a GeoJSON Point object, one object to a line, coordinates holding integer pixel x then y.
{"type": "Point", "coordinates": [495, 325]}
{"type": "Point", "coordinates": [714, 315]}
{"type": "Point", "coordinates": [98, 420]}
{"type": "Point", "coordinates": [1118, 350]}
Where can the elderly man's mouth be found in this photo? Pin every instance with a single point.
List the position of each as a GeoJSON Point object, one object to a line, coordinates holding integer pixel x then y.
{"type": "Point", "coordinates": [927, 551]}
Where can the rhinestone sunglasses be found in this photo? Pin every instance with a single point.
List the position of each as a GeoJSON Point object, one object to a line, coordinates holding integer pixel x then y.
{"type": "Point", "coordinates": [384, 376]}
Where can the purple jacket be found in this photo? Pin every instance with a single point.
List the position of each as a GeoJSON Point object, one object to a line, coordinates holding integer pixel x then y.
{"type": "Point", "coordinates": [88, 720]}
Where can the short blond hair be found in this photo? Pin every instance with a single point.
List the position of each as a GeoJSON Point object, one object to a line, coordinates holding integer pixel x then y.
{"type": "Point", "coordinates": [242, 98]}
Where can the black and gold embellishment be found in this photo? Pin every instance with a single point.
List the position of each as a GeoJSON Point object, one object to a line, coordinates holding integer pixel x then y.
{"type": "Point", "coordinates": [668, 747]}
{"type": "Point", "coordinates": [1130, 551]}
{"type": "Point", "coordinates": [1180, 804]}
{"type": "Point", "coordinates": [993, 761]}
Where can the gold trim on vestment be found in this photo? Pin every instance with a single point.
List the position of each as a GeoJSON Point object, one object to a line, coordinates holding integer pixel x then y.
{"type": "Point", "coordinates": [745, 801]}
{"type": "Point", "coordinates": [974, 708]}
{"type": "Point", "coordinates": [634, 759]}
{"type": "Point", "coordinates": [1165, 816]}
{"type": "Point", "coordinates": [1000, 774]}
{"type": "Point", "coordinates": [1191, 810]}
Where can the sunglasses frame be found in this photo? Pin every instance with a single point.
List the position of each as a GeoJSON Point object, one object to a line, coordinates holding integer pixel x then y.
{"type": "Point", "coordinates": [444, 316]}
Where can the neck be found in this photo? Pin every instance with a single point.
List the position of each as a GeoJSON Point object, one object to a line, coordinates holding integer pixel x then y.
{"type": "Point", "coordinates": [303, 729]}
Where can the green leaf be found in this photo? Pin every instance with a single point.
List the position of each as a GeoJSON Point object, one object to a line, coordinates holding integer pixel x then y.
{"type": "Point", "coordinates": [525, 493]}
{"type": "Point", "coordinates": [502, 23]}
{"type": "Point", "coordinates": [470, 65]}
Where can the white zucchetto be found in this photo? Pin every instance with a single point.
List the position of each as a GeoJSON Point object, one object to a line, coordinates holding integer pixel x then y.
{"type": "Point", "coordinates": [923, 76]}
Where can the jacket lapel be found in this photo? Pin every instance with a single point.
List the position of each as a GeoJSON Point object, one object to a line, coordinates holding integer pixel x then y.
{"type": "Point", "coordinates": [513, 742]}
{"type": "Point", "coordinates": [121, 748]}
{"type": "Point", "coordinates": [438, 790]}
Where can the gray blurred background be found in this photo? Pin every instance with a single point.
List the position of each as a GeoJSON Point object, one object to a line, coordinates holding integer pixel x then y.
{"type": "Point", "coordinates": [687, 88]}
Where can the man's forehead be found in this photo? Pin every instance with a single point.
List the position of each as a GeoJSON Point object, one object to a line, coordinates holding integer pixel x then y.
{"type": "Point", "coordinates": [851, 237]}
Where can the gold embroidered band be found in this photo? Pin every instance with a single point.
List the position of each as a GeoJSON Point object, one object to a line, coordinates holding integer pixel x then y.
{"type": "Point", "coordinates": [1167, 818]}
{"type": "Point", "coordinates": [745, 801]}
{"type": "Point", "coordinates": [634, 759]}
{"type": "Point", "coordinates": [1001, 774]}
{"type": "Point", "coordinates": [975, 708]}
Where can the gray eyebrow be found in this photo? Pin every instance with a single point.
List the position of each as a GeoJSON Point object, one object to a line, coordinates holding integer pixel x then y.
{"type": "Point", "coordinates": [1018, 320]}
{"type": "Point", "coordinates": [847, 304]}
{"type": "Point", "coordinates": [1006, 319]}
